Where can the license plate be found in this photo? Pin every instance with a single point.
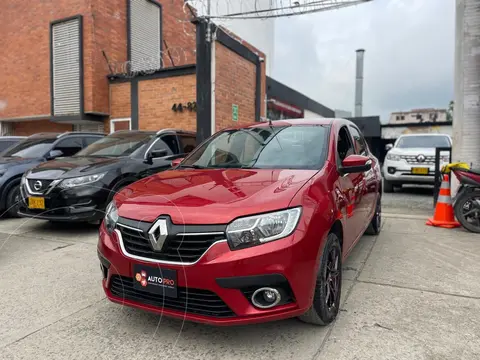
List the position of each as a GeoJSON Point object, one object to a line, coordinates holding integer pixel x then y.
{"type": "Point", "coordinates": [36, 203]}
{"type": "Point", "coordinates": [420, 171]}
{"type": "Point", "coordinates": [155, 280]}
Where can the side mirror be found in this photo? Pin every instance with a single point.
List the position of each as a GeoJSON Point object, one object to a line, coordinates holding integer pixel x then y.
{"type": "Point", "coordinates": [388, 147]}
{"type": "Point", "coordinates": [177, 162]}
{"type": "Point", "coordinates": [53, 154]}
{"type": "Point", "coordinates": [155, 154]}
{"type": "Point", "coordinates": [355, 164]}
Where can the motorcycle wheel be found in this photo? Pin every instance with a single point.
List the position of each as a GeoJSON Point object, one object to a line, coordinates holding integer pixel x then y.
{"type": "Point", "coordinates": [467, 211]}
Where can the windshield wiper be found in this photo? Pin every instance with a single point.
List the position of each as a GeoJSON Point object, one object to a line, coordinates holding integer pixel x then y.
{"type": "Point", "coordinates": [192, 166]}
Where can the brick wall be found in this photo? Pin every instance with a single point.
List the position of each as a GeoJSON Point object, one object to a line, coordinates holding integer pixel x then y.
{"type": "Point", "coordinates": [235, 84]}
{"type": "Point", "coordinates": [156, 98]}
{"type": "Point", "coordinates": [119, 103]}
{"type": "Point", "coordinates": [25, 59]}
{"type": "Point", "coordinates": [26, 128]}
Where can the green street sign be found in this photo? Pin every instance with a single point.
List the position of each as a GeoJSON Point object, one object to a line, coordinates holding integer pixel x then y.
{"type": "Point", "coordinates": [235, 112]}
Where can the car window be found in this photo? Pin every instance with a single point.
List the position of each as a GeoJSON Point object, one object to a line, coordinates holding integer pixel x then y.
{"type": "Point", "coordinates": [188, 143]}
{"type": "Point", "coordinates": [31, 148]}
{"type": "Point", "coordinates": [70, 146]}
{"type": "Point", "coordinates": [275, 147]}
{"type": "Point", "coordinates": [359, 141]}
{"type": "Point", "coordinates": [166, 142]}
{"type": "Point", "coordinates": [6, 144]}
{"type": "Point", "coordinates": [88, 140]}
{"type": "Point", "coordinates": [344, 144]}
{"type": "Point", "coordinates": [423, 141]}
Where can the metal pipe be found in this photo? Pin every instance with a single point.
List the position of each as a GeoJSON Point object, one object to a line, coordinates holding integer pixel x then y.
{"type": "Point", "coordinates": [359, 83]}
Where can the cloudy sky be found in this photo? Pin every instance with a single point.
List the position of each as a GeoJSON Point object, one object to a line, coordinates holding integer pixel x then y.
{"type": "Point", "coordinates": [409, 59]}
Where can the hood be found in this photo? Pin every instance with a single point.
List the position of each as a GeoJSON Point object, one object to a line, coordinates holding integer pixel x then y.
{"type": "Point", "coordinates": [73, 167]}
{"type": "Point", "coordinates": [7, 162]}
{"type": "Point", "coordinates": [413, 151]}
{"type": "Point", "coordinates": [210, 196]}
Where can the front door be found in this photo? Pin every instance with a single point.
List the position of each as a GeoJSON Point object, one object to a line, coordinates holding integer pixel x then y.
{"type": "Point", "coordinates": [351, 187]}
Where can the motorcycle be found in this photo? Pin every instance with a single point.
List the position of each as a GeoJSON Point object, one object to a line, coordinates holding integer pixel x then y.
{"type": "Point", "coordinates": [466, 203]}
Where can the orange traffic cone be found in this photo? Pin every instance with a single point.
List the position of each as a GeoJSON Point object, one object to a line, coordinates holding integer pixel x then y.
{"type": "Point", "coordinates": [444, 215]}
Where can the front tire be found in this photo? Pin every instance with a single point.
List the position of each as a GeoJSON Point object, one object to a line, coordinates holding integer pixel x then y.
{"type": "Point", "coordinates": [13, 201]}
{"type": "Point", "coordinates": [328, 286]}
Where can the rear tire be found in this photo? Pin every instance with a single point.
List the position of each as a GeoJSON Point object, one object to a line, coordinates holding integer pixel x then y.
{"type": "Point", "coordinates": [326, 301]}
{"type": "Point", "coordinates": [375, 225]}
{"type": "Point", "coordinates": [13, 201]}
{"type": "Point", "coordinates": [388, 186]}
{"type": "Point", "coordinates": [459, 211]}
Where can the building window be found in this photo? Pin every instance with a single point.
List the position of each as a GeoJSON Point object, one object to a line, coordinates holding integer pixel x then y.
{"type": "Point", "coordinates": [145, 35]}
{"type": "Point", "coordinates": [402, 117]}
{"type": "Point", "coordinates": [66, 66]}
{"type": "Point", "coordinates": [398, 117]}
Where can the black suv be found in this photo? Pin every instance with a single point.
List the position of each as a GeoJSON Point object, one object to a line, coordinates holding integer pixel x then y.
{"type": "Point", "coordinates": [80, 187]}
{"type": "Point", "coordinates": [30, 152]}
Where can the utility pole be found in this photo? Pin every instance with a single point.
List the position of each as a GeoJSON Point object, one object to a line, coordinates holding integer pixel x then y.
{"type": "Point", "coordinates": [466, 122]}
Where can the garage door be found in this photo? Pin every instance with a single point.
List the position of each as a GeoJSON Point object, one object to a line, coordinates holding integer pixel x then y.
{"type": "Point", "coordinates": [89, 127]}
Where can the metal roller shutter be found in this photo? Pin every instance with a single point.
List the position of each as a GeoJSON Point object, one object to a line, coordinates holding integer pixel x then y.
{"type": "Point", "coordinates": [145, 37]}
{"type": "Point", "coordinates": [66, 67]}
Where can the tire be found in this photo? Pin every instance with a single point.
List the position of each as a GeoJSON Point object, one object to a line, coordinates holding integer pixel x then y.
{"type": "Point", "coordinates": [387, 186]}
{"type": "Point", "coordinates": [459, 210]}
{"type": "Point", "coordinates": [375, 225]}
{"type": "Point", "coordinates": [320, 313]}
{"type": "Point", "coordinates": [116, 189]}
{"type": "Point", "coordinates": [13, 201]}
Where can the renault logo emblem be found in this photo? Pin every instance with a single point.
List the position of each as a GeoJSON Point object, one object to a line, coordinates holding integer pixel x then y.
{"type": "Point", "coordinates": [421, 158]}
{"type": "Point", "coordinates": [37, 185]}
{"type": "Point", "coordinates": [158, 234]}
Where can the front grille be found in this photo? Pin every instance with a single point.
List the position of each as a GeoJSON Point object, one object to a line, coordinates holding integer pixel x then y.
{"type": "Point", "coordinates": [42, 185]}
{"type": "Point", "coordinates": [180, 248]}
{"type": "Point", "coordinates": [412, 159]}
{"type": "Point", "coordinates": [193, 301]}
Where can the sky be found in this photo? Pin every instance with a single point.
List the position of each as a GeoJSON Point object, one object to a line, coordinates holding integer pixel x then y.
{"type": "Point", "coordinates": [409, 55]}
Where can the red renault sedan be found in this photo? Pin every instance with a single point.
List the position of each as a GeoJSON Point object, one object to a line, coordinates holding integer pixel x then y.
{"type": "Point", "coordinates": [252, 226]}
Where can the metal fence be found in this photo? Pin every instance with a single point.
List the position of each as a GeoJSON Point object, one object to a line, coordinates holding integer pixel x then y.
{"type": "Point", "coordinates": [438, 174]}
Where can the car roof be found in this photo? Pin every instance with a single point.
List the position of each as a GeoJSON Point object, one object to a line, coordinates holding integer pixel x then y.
{"type": "Point", "coordinates": [293, 122]}
{"type": "Point", "coordinates": [52, 135]}
{"type": "Point", "coordinates": [12, 137]}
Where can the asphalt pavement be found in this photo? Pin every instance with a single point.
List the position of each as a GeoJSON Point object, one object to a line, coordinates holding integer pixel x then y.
{"type": "Point", "coordinates": [410, 293]}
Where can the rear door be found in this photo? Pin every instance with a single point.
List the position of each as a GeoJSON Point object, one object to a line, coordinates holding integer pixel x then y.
{"type": "Point", "coordinates": [350, 187]}
{"type": "Point", "coordinates": [368, 187]}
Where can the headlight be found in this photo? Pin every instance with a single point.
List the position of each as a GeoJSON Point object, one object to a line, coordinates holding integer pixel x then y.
{"type": "Point", "coordinates": [259, 229]}
{"type": "Point", "coordinates": [393, 157]}
{"type": "Point", "coordinates": [111, 217]}
{"type": "Point", "coordinates": [82, 180]}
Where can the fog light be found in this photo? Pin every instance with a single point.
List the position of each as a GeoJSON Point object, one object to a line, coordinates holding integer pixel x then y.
{"type": "Point", "coordinates": [265, 298]}
{"type": "Point", "coordinates": [391, 170]}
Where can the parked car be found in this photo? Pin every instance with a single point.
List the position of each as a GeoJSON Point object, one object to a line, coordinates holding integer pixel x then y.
{"type": "Point", "coordinates": [252, 226]}
{"type": "Point", "coordinates": [7, 141]}
{"type": "Point", "coordinates": [411, 160]}
{"type": "Point", "coordinates": [78, 188]}
{"type": "Point", "coordinates": [35, 149]}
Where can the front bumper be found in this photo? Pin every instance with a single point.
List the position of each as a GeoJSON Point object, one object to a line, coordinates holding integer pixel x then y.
{"type": "Point", "coordinates": [80, 204]}
{"type": "Point", "coordinates": [224, 278]}
{"type": "Point", "coordinates": [400, 172]}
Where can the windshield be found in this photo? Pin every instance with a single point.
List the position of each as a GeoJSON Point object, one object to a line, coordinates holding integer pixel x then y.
{"type": "Point", "coordinates": [30, 148]}
{"type": "Point", "coordinates": [424, 141]}
{"type": "Point", "coordinates": [290, 147]}
{"type": "Point", "coordinates": [116, 145]}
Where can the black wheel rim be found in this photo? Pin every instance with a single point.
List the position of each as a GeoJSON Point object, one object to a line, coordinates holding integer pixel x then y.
{"type": "Point", "coordinates": [332, 279]}
{"type": "Point", "coordinates": [471, 211]}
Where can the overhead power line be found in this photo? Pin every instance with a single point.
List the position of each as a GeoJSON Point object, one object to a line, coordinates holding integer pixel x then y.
{"type": "Point", "coordinates": [276, 8]}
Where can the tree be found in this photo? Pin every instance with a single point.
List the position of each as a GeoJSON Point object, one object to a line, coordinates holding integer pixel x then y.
{"type": "Point", "coordinates": [450, 111]}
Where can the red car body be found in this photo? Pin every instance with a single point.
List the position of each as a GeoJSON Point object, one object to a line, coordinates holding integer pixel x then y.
{"type": "Point", "coordinates": [329, 200]}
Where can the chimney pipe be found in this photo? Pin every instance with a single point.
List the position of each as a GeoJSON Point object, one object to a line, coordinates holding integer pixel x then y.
{"type": "Point", "coordinates": [359, 83]}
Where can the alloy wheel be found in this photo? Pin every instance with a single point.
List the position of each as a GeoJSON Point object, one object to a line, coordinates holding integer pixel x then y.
{"type": "Point", "coordinates": [332, 279]}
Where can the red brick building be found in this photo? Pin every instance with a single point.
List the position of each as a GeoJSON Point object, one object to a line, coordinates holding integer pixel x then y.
{"type": "Point", "coordinates": [97, 65]}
